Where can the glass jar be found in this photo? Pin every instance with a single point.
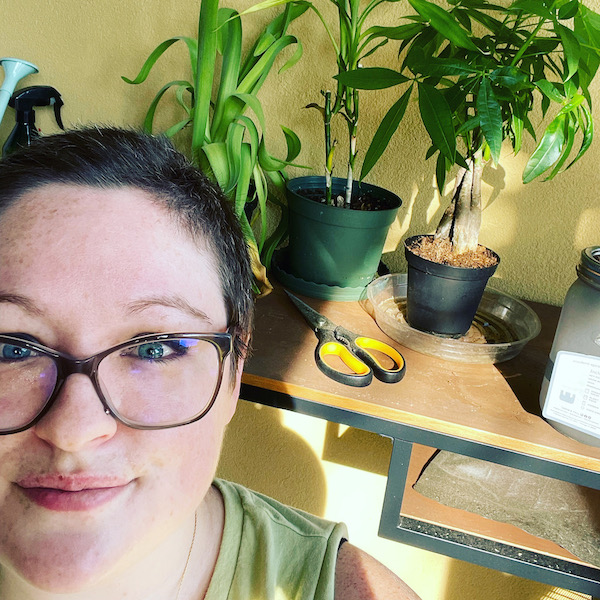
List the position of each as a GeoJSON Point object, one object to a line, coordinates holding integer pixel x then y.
{"type": "Point", "coordinates": [570, 394]}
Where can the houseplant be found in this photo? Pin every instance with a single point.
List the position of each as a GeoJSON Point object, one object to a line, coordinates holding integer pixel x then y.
{"type": "Point", "coordinates": [330, 247]}
{"type": "Point", "coordinates": [479, 70]}
{"type": "Point", "coordinates": [226, 117]}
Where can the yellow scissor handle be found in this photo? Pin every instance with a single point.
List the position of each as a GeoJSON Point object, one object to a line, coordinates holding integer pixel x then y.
{"type": "Point", "coordinates": [352, 362]}
{"type": "Point", "coordinates": [361, 373]}
{"type": "Point", "coordinates": [367, 343]}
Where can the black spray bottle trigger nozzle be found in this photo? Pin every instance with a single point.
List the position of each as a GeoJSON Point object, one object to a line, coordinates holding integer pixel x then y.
{"type": "Point", "coordinates": [25, 100]}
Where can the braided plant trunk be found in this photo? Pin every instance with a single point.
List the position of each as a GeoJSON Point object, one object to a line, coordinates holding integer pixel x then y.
{"type": "Point", "coordinates": [461, 221]}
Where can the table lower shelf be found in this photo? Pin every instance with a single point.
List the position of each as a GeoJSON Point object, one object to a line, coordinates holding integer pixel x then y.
{"type": "Point", "coordinates": [412, 518]}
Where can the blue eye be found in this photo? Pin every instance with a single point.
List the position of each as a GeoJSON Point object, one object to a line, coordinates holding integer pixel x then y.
{"type": "Point", "coordinates": [10, 352]}
{"type": "Point", "coordinates": [151, 351]}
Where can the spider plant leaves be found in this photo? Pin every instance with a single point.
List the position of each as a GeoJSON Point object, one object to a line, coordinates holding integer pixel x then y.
{"type": "Point", "coordinates": [371, 78]}
{"type": "Point", "coordinates": [384, 133]}
{"type": "Point", "coordinates": [445, 23]}
{"type": "Point", "coordinates": [437, 119]}
{"type": "Point", "coordinates": [204, 76]}
{"type": "Point", "coordinates": [223, 110]}
{"type": "Point", "coordinates": [490, 115]}
{"type": "Point", "coordinates": [192, 45]}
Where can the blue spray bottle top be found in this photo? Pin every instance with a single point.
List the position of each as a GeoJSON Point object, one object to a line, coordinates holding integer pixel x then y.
{"type": "Point", "coordinates": [24, 101]}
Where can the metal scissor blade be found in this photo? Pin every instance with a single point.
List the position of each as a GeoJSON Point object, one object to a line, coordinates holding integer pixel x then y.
{"type": "Point", "coordinates": [314, 318]}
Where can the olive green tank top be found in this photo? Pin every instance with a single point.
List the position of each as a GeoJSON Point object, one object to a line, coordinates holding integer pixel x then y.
{"type": "Point", "coordinates": [270, 551]}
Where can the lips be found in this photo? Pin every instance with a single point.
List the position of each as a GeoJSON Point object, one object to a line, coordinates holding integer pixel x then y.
{"type": "Point", "coordinates": [71, 492]}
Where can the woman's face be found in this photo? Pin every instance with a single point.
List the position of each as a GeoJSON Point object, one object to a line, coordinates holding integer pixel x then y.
{"type": "Point", "coordinates": [82, 270]}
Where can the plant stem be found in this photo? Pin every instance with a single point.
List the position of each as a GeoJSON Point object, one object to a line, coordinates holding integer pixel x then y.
{"type": "Point", "coordinates": [205, 68]}
{"type": "Point", "coordinates": [328, 147]}
{"type": "Point", "coordinates": [444, 228]}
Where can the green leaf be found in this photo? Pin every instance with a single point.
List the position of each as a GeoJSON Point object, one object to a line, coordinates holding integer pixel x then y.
{"type": "Point", "coordinates": [571, 128]}
{"type": "Point", "coordinates": [174, 129]}
{"type": "Point", "coordinates": [293, 59]}
{"type": "Point", "coordinates": [230, 36]}
{"type": "Point", "coordinates": [548, 150]}
{"type": "Point", "coordinates": [260, 191]}
{"type": "Point", "coordinates": [441, 170]}
{"type": "Point", "coordinates": [401, 32]}
{"type": "Point", "coordinates": [451, 67]}
{"type": "Point", "coordinates": [384, 133]}
{"type": "Point", "coordinates": [510, 77]}
{"type": "Point", "coordinates": [437, 118]}
{"type": "Point", "coordinates": [490, 115]}
{"type": "Point", "coordinates": [267, 161]}
{"type": "Point", "coordinates": [568, 10]}
{"type": "Point", "coordinates": [242, 185]}
{"type": "Point", "coordinates": [571, 49]}
{"type": "Point", "coordinates": [444, 23]}
{"type": "Point", "coordinates": [469, 125]}
{"type": "Point", "coordinates": [204, 74]}
{"type": "Point", "coordinates": [371, 78]}
{"type": "Point", "coordinates": [157, 53]}
{"type": "Point", "coordinates": [535, 7]}
{"type": "Point", "coordinates": [293, 144]}
{"type": "Point", "coordinates": [149, 119]}
{"type": "Point", "coordinates": [517, 125]}
{"type": "Point", "coordinates": [572, 104]}
{"type": "Point", "coordinates": [265, 4]}
{"type": "Point", "coordinates": [549, 90]}
{"type": "Point", "coordinates": [586, 123]}
{"type": "Point", "coordinates": [216, 155]}
{"type": "Point", "coordinates": [264, 42]}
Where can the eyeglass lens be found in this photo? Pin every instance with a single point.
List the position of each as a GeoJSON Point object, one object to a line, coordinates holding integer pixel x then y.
{"type": "Point", "coordinates": [148, 383]}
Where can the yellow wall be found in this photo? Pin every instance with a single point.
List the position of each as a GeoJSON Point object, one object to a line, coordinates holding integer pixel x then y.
{"type": "Point", "coordinates": [82, 47]}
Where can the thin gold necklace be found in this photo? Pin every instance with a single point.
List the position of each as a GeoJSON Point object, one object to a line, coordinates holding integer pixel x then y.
{"type": "Point", "coordinates": [187, 562]}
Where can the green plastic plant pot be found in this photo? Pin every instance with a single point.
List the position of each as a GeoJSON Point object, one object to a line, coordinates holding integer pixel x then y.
{"type": "Point", "coordinates": [334, 246]}
{"type": "Point", "coordinates": [442, 299]}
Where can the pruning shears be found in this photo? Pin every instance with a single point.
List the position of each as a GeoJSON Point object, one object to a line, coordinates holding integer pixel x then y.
{"type": "Point", "coordinates": [362, 355]}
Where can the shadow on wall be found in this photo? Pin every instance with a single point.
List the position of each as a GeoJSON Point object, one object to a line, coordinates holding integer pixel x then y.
{"type": "Point", "coordinates": [357, 449]}
{"type": "Point", "coordinates": [264, 455]}
{"type": "Point", "coordinates": [465, 581]}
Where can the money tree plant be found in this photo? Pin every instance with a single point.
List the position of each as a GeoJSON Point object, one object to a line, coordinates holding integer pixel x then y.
{"type": "Point", "coordinates": [484, 73]}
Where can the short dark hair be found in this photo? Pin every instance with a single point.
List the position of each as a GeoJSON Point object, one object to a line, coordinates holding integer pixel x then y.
{"type": "Point", "coordinates": [108, 158]}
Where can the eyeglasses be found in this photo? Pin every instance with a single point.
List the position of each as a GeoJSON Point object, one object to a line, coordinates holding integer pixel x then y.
{"type": "Point", "coordinates": [149, 382]}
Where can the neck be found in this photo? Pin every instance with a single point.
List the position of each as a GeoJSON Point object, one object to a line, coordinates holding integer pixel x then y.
{"type": "Point", "coordinates": [174, 570]}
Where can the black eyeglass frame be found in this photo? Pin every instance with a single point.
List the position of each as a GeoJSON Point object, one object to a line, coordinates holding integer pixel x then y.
{"type": "Point", "coordinates": [67, 365]}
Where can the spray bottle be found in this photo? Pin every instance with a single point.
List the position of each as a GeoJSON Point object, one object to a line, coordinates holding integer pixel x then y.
{"type": "Point", "coordinates": [14, 70]}
{"type": "Point", "coordinates": [24, 101]}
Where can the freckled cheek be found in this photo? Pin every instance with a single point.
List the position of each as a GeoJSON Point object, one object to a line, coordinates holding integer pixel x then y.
{"type": "Point", "coordinates": [189, 459]}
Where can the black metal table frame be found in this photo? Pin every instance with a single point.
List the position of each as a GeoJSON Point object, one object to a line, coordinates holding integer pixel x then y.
{"type": "Point", "coordinates": [470, 548]}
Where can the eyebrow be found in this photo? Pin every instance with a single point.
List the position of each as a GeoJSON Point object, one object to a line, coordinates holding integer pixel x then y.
{"type": "Point", "coordinates": [175, 301]}
{"type": "Point", "coordinates": [22, 301]}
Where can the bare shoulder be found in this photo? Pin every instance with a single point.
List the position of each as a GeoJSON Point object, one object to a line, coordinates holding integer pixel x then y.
{"type": "Point", "coordinates": [359, 576]}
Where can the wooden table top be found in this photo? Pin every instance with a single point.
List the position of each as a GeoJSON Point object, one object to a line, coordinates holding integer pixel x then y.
{"type": "Point", "coordinates": [480, 403]}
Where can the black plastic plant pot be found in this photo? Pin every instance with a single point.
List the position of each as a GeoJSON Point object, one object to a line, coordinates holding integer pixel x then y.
{"type": "Point", "coordinates": [443, 299]}
{"type": "Point", "coordinates": [336, 246]}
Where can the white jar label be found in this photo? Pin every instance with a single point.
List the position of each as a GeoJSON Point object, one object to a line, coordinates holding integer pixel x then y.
{"type": "Point", "coordinates": [574, 392]}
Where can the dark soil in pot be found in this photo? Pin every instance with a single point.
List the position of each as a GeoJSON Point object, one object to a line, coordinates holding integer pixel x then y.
{"type": "Point", "coordinates": [366, 200]}
{"type": "Point", "coordinates": [440, 251]}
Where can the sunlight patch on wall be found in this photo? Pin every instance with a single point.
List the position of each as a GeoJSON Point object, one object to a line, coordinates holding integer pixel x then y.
{"type": "Point", "coordinates": [586, 231]}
